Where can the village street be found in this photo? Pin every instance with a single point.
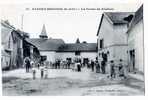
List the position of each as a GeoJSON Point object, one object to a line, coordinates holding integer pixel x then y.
{"type": "Point", "coordinates": [65, 82]}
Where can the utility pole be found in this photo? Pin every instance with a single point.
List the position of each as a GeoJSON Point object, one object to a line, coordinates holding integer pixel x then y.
{"type": "Point", "coordinates": [22, 53]}
{"type": "Point", "coordinates": [22, 20]}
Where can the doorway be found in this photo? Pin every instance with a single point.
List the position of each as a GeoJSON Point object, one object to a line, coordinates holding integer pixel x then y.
{"type": "Point", "coordinates": [85, 61]}
{"type": "Point", "coordinates": [132, 60]}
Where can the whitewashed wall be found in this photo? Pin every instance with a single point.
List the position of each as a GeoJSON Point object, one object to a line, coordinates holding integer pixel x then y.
{"type": "Point", "coordinates": [115, 53]}
{"type": "Point", "coordinates": [5, 59]}
{"type": "Point", "coordinates": [90, 55]}
{"type": "Point", "coordinates": [5, 35]}
{"type": "Point", "coordinates": [135, 41]}
{"type": "Point", "coordinates": [106, 32]}
{"type": "Point", "coordinates": [119, 33]}
{"type": "Point", "coordinates": [64, 55]}
{"type": "Point", "coordinates": [115, 40]}
{"type": "Point", "coordinates": [112, 34]}
{"type": "Point", "coordinates": [121, 53]}
{"type": "Point", "coordinates": [50, 55]}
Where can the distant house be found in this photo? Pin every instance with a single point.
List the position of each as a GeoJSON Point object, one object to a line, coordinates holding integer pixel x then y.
{"type": "Point", "coordinates": [83, 51]}
{"type": "Point", "coordinates": [47, 47]}
{"type": "Point", "coordinates": [135, 42]}
{"type": "Point", "coordinates": [6, 43]}
{"type": "Point", "coordinates": [30, 50]}
{"type": "Point", "coordinates": [112, 40]}
{"type": "Point", "coordinates": [12, 43]}
{"type": "Point", "coordinates": [12, 46]}
{"type": "Point", "coordinates": [53, 49]}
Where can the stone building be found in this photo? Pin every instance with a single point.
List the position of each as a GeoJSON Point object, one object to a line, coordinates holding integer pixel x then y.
{"type": "Point", "coordinates": [73, 51]}
{"type": "Point", "coordinates": [56, 49]}
{"type": "Point", "coordinates": [136, 42]}
{"type": "Point", "coordinates": [6, 43]}
{"type": "Point", "coordinates": [46, 46]}
{"type": "Point", "coordinates": [120, 36]}
{"type": "Point", "coordinates": [112, 40]}
{"type": "Point", "coordinates": [14, 46]}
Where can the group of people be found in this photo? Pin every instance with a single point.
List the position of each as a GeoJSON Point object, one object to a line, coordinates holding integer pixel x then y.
{"type": "Point", "coordinates": [117, 70]}
{"type": "Point", "coordinates": [100, 67]}
{"type": "Point", "coordinates": [58, 64]}
{"type": "Point", "coordinates": [95, 66]}
{"type": "Point", "coordinates": [30, 66]}
{"type": "Point", "coordinates": [27, 64]}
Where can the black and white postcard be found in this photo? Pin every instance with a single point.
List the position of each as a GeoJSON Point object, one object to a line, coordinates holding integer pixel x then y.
{"type": "Point", "coordinates": [73, 49]}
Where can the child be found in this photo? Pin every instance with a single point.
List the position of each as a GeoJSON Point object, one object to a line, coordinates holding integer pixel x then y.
{"type": "Point", "coordinates": [97, 67]}
{"type": "Point", "coordinates": [46, 72]}
{"type": "Point", "coordinates": [32, 63]}
{"type": "Point", "coordinates": [42, 70]}
{"type": "Point", "coordinates": [112, 69]}
{"type": "Point", "coordinates": [121, 69]}
{"type": "Point", "coordinates": [38, 65]}
{"type": "Point", "coordinates": [79, 67]}
{"type": "Point", "coordinates": [33, 71]}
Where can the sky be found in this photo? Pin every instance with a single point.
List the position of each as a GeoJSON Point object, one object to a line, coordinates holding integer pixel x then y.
{"type": "Point", "coordinates": [65, 24]}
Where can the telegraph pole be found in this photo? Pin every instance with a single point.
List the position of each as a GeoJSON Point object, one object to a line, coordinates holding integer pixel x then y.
{"type": "Point", "coordinates": [22, 20]}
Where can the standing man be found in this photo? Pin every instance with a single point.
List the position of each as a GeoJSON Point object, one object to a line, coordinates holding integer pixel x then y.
{"type": "Point", "coordinates": [32, 63]}
{"type": "Point", "coordinates": [97, 67]}
{"type": "Point", "coordinates": [121, 69]}
{"type": "Point", "coordinates": [46, 72]}
{"type": "Point", "coordinates": [79, 66]}
{"type": "Point", "coordinates": [92, 65]}
{"type": "Point", "coordinates": [46, 64]}
{"type": "Point", "coordinates": [42, 70]}
{"type": "Point", "coordinates": [33, 71]}
{"type": "Point", "coordinates": [38, 65]}
{"type": "Point", "coordinates": [27, 64]}
{"type": "Point", "coordinates": [112, 69]}
{"type": "Point", "coordinates": [103, 67]}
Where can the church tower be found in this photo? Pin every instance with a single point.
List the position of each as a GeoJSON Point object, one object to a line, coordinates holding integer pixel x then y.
{"type": "Point", "coordinates": [43, 34]}
{"type": "Point", "coordinates": [77, 41]}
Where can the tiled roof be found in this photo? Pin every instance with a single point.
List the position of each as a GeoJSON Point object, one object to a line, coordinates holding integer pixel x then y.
{"type": "Point", "coordinates": [8, 30]}
{"type": "Point", "coordinates": [58, 45]}
{"type": "Point", "coordinates": [118, 17]}
{"type": "Point", "coordinates": [115, 18]}
{"type": "Point", "coordinates": [137, 17]}
{"type": "Point", "coordinates": [46, 44]}
{"type": "Point", "coordinates": [7, 24]}
{"type": "Point", "coordinates": [71, 47]}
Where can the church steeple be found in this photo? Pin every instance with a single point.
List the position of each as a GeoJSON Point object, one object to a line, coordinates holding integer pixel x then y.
{"type": "Point", "coordinates": [43, 34]}
{"type": "Point", "coordinates": [77, 41]}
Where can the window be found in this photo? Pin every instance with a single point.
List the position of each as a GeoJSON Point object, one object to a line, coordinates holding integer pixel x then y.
{"type": "Point", "coordinates": [85, 60]}
{"type": "Point", "coordinates": [43, 58]}
{"type": "Point", "coordinates": [69, 60]}
{"type": "Point", "coordinates": [99, 54]}
{"type": "Point", "coordinates": [107, 52]}
{"type": "Point", "coordinates": [101, 43]}
{"type": "Point", "coordinates": [6, 63]}
{"type": "Point", "coordinates": [9, 41]}
{"type": "Point", "coordinates": [77, 53]}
